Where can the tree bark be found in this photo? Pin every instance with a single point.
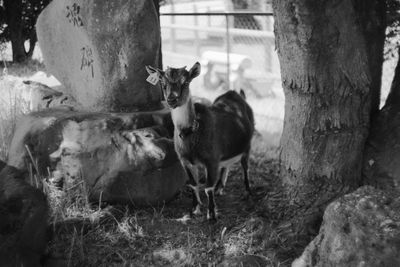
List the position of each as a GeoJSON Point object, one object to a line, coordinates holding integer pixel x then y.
{"type": "Point", "coordinates": [329, 78]}
{"type": "Point", "coordinates": [32, 44]}
{"type": "Point", "coordinates": [372, 15]}
{"type": "Point", "coordinates": [382, 154]}
{"type": "Point", "coordinates": [16, 26]}
{"type": "Point", "coordinates": [157, 6]}
{"type": "Point", "coordinates": [14, 20]}
{"type": "Point", "coordinates": [18, 47]}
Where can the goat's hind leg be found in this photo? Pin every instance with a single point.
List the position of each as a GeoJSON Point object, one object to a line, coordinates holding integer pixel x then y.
{"type": "Point", "coordinates": [245, 165]}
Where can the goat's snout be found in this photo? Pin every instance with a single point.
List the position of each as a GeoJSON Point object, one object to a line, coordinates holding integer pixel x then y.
{"type": "Point", "coordinates": [172, 99]}
{"type": "Point", "coordinates": [173, 95]}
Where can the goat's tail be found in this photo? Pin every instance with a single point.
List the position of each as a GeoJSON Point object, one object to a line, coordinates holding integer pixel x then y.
{"type": "Point", "coordinates": [242, 94]}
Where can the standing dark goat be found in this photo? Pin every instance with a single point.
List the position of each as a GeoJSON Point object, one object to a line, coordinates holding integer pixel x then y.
{"type": "Point", "coordinates": [214, 137]}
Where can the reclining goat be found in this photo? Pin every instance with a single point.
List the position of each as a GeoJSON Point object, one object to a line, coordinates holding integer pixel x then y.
{"type": "Point", "coordinates": [214, 137]}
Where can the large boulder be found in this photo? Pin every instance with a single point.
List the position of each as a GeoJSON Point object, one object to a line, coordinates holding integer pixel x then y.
{"type": "Point", "coordinates": [359, 229]}
{"type": "Point", "coordinates": [115, 157]}
{"type": "Point", "coordinates": [98, 50]}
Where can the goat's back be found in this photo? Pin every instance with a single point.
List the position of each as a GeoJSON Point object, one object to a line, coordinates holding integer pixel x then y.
{"type": "Point", "coordinates": [232, 102]}
{"type": "Point", "coordinates": [234, 123]}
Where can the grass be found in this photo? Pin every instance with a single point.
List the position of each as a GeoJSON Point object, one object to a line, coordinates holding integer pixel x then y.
{"type": "Point", "coordinates": [24, 69]}
{"type": "Point", "coordinates": [13, 100]}
{"type": "Point", "coordinates": [122, 236]}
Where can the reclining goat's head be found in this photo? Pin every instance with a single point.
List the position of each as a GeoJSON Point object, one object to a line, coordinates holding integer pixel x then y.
{"type": "Point", "coordinates": [175, 83]}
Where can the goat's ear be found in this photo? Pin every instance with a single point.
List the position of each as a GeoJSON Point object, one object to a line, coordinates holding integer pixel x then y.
{"type": "Point", "coordinates": [151, 70]}
{"type": "Point", "coordinates": [195, 70]}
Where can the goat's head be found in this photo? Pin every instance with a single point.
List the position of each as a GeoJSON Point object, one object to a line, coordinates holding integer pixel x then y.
{"type": "Point", "coordinates": [175, 83]}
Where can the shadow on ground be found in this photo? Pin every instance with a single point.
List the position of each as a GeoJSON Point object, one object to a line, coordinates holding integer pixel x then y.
{"type": "Point", "coordinates": [154, 236]}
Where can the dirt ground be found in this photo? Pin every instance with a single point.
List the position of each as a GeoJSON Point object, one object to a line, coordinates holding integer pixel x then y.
{"type": "Point", "coordinates": [154, 237]}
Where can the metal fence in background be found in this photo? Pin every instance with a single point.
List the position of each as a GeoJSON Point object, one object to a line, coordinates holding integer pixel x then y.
{"type": "Point", "coordinates": [237, 49]}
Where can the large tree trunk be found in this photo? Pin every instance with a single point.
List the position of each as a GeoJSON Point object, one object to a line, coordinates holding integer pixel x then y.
{"type": "Point", "coordinates": [18, 47]}
{"type": "Point", "coordinates": [32, 44]}
{"type": "Point", "coordinates": [381, 166]}
{"type": "Point", "coordinates": [373, 19]}
{"type": "Point", "coordinates": [331, 62]}
{"type": "Point", "coordinates": [157, 6]}
{"type": "Point", "coordinates": [15, 25]}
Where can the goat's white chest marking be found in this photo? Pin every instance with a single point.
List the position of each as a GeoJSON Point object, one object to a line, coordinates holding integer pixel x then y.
{"type": "Point", "coordinates": [181, 115]}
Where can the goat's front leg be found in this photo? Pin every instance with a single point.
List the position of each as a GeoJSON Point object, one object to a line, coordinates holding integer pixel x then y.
{"type": "Point", "coordinates": [192, 174]}
{"type": "Point", "coordinates": [211, 179]}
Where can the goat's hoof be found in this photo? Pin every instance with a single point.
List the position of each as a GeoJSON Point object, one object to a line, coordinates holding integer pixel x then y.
{"type": "Point", "coordinates": [220, 192]}
{"type": "Point", "coordinates": [196, 211]}
{"type": "Point", "coordinates": [212, 220]}
{"type": "Point", "coordinates": [184, 219]}
{"type": "Point", "coordinates": [212, 217]}
{"type": "Point", "coordinates": [246, 195]}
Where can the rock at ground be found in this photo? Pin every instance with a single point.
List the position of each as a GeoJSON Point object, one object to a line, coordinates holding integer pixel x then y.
{"type": "Point", "coordinates": [124, 158]}
{"type": "Point", "coordinates": [98, 50]}
{"type": "Point", "coordinates": [359, 229]}
{"type": "Point", "coordinates": [23, 220]}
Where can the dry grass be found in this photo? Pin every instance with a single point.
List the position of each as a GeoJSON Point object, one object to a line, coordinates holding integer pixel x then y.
{"type": "Point", "coordinates": [12, 106]}
{"type": "Point", "coordinates": [7, 127]}
{"type": "Point", "coordinates": [86, 235]}
{"type": "Point", "coordinates": [25, 69]}
{"type": "Point", "coordinates": [13, 102]}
